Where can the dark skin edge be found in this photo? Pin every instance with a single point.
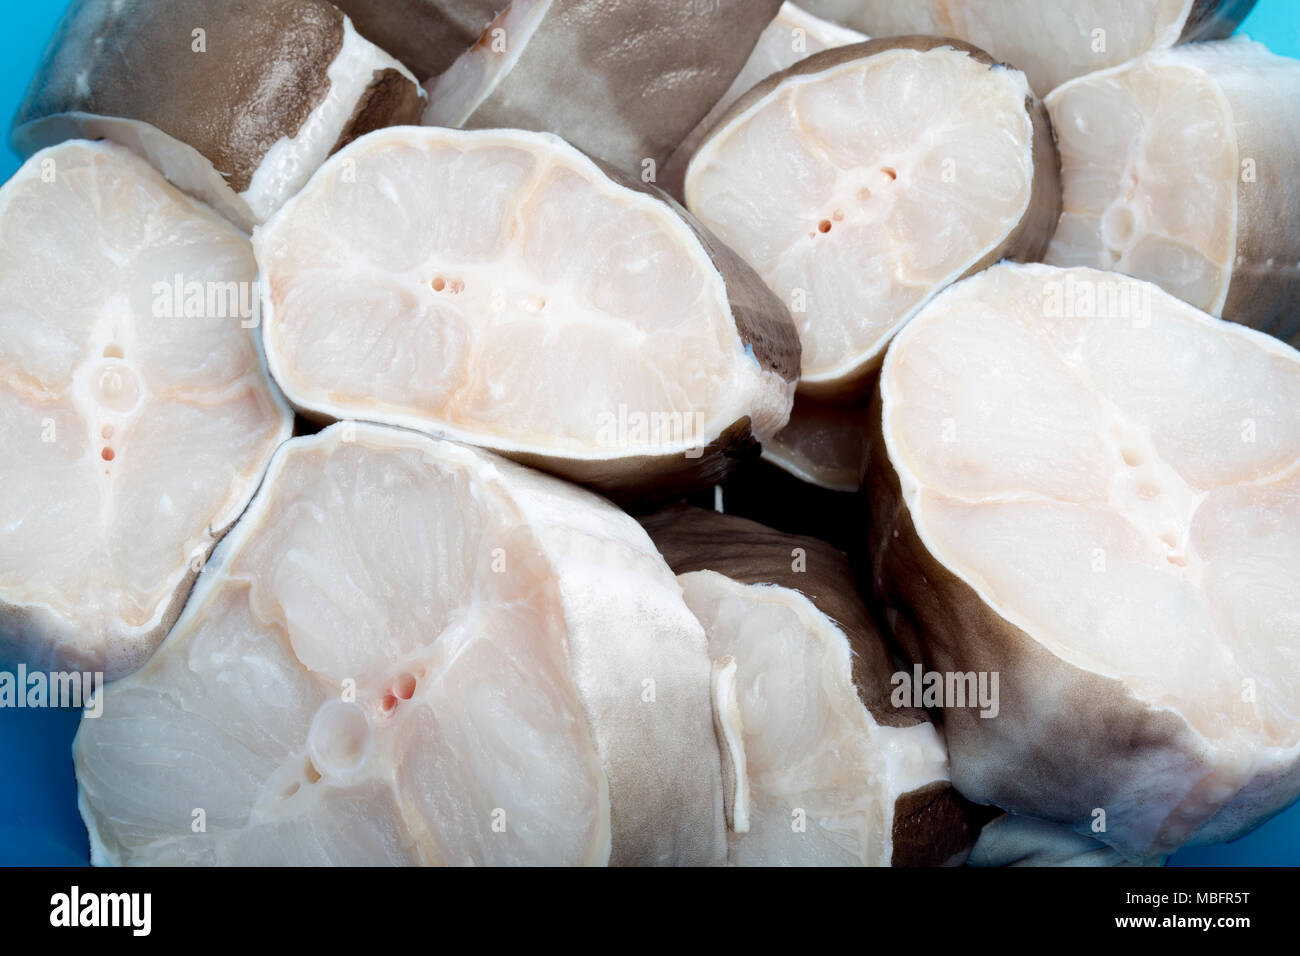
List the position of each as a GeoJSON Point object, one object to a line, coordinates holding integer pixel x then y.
{"type": "Point", "coordinates": [425, 35]}
{"type": "Point", "coordinates": [1027, 242]}
{"type": "Point", "coordinates": [643, 482]}
{"type": "Point", "coordinates": [944, 626]}
{"type": "Point", "coordinates": [933, 825]}
{"type": "Point", "coordinates": [148, 69]}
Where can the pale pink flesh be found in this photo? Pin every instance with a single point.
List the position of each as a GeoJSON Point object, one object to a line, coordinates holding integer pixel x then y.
{"type": "Point", "coordinates": [134, 406]}
{"type": "Point", "coordinates": [1120, 477]}
{"type": "Point", "coordinates": [859, 191]}
{"type": "Point", "coordinates": [465, 282]}
{"type": "Point", "coordinates": [1149, 166]}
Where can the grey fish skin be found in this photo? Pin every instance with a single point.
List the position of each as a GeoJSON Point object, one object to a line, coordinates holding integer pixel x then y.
{"type": "Point", "coordinates": [623, 80]}
{"type": "Point", "coordinates": [209, 93]}
{"type": "Point", "coordinates": [426, 35]}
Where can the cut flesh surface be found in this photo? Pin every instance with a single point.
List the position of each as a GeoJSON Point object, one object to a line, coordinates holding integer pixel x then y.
{"type": "Point", "coordinates": [865, 179]}
{"type": "Point", "coordinates": [1116, 476]}
{"type": "Point", "coordinates": [1160, 168]}
{"type": "Point", "coordinates": [792, 35]}
{"type": "Point", "coordinates": [1149, 172]}
{"type": "Point", "coordinates": [834, 769]}
{"type": "Point", "coordinates": [137, 419]}
{"type": "Point", "coordinates": [1052, 42]}
{"type": "Point", "coordinates": [236, 104]}
{"type": "Point", "coordinates": [411, 651]}
{"type": "Point", "coordinates": [497, 287]}
{"type": "Point", "coordinates": [814, 754]}
{"type": "Point", "coordinates": [623, 80]}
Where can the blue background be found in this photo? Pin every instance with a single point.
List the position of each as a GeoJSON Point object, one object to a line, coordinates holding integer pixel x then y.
{"type": "Point", "coordinates": [39, 823]}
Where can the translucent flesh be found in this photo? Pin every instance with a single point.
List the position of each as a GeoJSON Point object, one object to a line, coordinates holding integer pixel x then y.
{"type": "Point", "coordinates": [792, 35]}
{"type": "Point", "coordinates": [1149, 167]}
{"type": "Point", "coordinates": [496, 285]}
{"type": "Point", "coordinates": [1051, 42]}
{"type": "Point", "coordinates": [823, 775]}
{"type": "Point", "coordinates": [370, 568]}
{"type": "Point", "coordinates": [134, 430]}
{"type": "Point", "coordinates": [858, 191]}
{"type": "Point", "coordinates": [1123, 483]}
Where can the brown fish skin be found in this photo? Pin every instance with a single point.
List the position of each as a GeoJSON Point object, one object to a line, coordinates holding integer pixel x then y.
{"type": "Point", "coordinates": [963, 634]}
{"type": "Point", "coordinates": [151, 66]}
{"type": "Point", "coordinates": [390, 100]}
{"type": "Point", "coordinates": [933, 825]}
{"type": "Point", "coordinates": [936, 826]}
{"type": "Point", "coordinates": [824, 445]}
{"type": "Point", "coordinates": [649, 73]}
{"type": "Point", "coordinates": [144, 61]}
{"type": "Point", "coordinates": [426, 35]}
